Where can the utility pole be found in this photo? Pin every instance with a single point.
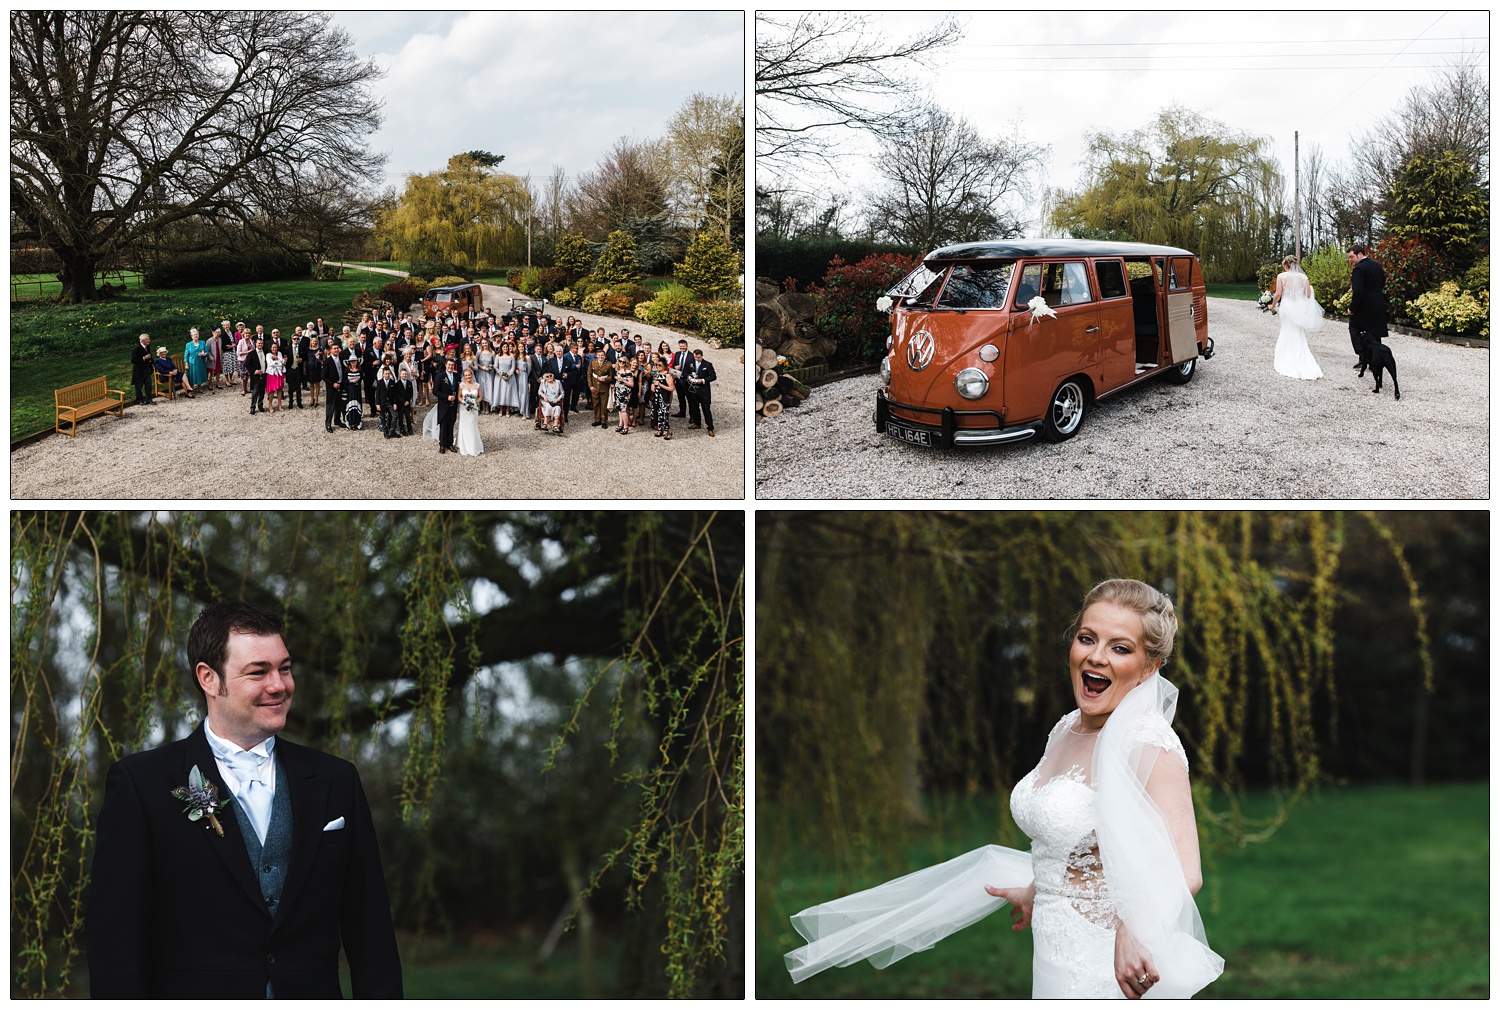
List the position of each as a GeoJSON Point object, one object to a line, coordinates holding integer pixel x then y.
{"type": "Point", "coordinates": [1296, 199]}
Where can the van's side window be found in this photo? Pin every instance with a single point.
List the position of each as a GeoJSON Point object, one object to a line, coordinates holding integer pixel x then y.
{"type": "Point", "coordinates": [977, 286]}
{"type": "Point", "coordinates": [1111, 279]}
{"type": "Point", "coordinates": [1180, 273]}
{"type": "Point", "coordinates": [1029, 286]}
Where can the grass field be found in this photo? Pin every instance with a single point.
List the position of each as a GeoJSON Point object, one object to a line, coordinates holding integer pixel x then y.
{"type": "Point", "coordinates": [39, 287]}
{"type": "Point", "coordinates": [1242, 292]}
{"type": "Point", "coordinates": [500, 968]}
{"type": "Point", "coordinates": [55, 345]}
{"type": "Point", "coordinates": [1366, 892]}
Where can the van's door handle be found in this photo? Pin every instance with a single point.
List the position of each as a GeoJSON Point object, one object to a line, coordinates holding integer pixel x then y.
{"type": "Point", "coordinates": [1092, 329]}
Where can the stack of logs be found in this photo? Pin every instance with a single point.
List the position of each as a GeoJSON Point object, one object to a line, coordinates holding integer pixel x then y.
{"type": "Point", "coordinates": [775, 390]}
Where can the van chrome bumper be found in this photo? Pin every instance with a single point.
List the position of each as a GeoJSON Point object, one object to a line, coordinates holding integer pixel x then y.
{"type": "Point", "coordinates": [946, 432]}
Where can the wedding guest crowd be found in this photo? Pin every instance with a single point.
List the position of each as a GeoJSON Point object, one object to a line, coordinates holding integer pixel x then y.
{"type": "Point", "coordinates": [526, 366]}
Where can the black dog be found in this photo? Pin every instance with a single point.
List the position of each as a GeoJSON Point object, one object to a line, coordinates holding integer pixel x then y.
{"type": "Point", "coordinates": [1374, 354]}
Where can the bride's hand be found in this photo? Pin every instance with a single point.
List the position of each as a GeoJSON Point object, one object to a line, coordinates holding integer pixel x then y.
{"type": "Point", "coordinates": [1020, 898]}
{"type": "Point", "coordinates": [1132, 964]}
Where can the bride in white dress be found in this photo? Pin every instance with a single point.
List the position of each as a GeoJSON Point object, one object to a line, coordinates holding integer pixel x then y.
{"type": "Point", "coordinates": [1300, 315]}
{"type": "Point", "coordinates": [1108, 886]}
{"type": "Point", "coordinates": [469, 394]}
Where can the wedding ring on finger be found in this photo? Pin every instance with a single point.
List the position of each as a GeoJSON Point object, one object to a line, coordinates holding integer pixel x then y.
{"type": "Point", "coordinates": [1143, 980]}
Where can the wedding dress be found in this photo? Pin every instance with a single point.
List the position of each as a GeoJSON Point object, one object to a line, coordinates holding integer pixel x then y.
{"type": "Point", "coordinates": [1100, 850]}
{"type": "Point", "coordinates": [1300, 315]}
{"type": "Point", "coordinates": [469, 442]}
{"type": "Point", "coordinates": [430, 427]}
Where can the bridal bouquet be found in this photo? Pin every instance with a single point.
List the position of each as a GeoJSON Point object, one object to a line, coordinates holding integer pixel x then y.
{"type": "Point", "coordinates": [471, 401]}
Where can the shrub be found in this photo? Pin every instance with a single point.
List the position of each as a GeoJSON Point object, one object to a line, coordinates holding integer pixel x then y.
{"type": "Point", "coordinates": [550, 280]}
{"type": "Point", "coordinates": [1477, 278]}
{"type": "Point", "coordinates": [635, 293]}
{"type": "Point", "coordinates": [594, 300]}
{"type": "Point", "coordinates": [617, 263]}
{"type": "Point", "coordinates": [403, 292]}
{"type": "Point", "coordinates": [204, 269]}
{"type": "Point", "coordinates": [722, 321]}
{"type": "Point", "coordinates": [846, 303]}
{"type": "Point", "coordinates": [574, 254]}
{"type": "Point", "coordinates": [1411, 268]}
{"type": "Point", "coordinates": [566, 297]}
{"type": "Point", "coordinates": [528, 283]}
{"type": "Point", "coordinates": [710, 267]}
{"type": "Point", "coordinates": [1328, 272]}
{"type": "Point", "coordinates": [1265, 274]}
{"type": "Point", "coordinates": [674, 305]}
{"type": "Point", "coordinates": [443, 282]}
{"type": "Point", "coordinates": [1448, 310]}
{"type": "Point", "coordinates": [438, 268]}
{"type": "Point", "coordinates": [513, 277]}
{"type": "Point", "coordinates": [418, 283]}
{"type": "Point", "coordinates": [808, 259]}
{"type": "Point", "coordinates": [585, 287]}
{"type": "Point", "coordinates": [38, 260]}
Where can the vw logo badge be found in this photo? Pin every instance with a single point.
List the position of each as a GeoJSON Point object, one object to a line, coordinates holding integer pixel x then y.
{"type": "Point", "coordinates": [919, 351]}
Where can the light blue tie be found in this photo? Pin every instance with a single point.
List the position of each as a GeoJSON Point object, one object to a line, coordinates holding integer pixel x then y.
{"type": "Point", "coordinates": [254, 772]}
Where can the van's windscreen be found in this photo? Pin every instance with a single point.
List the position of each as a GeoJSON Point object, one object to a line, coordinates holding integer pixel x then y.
{"type": "Point", "coordinates": [977, 286]}
{"type": "Point", "coordinates": [918, 286]}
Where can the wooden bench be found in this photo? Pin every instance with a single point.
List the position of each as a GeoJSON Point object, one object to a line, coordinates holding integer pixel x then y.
{"type": "Point", "coordinates": [166, 385]}
{"type": "Point", "coordinates": [85, 399]}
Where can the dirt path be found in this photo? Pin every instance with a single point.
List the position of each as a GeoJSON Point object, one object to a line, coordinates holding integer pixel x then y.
{"type": "Point", "coordinates": [212, 448]}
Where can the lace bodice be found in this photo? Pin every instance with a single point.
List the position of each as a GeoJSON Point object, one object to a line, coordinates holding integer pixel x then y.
{"type": "Point", "coordinates": [1054, 805]}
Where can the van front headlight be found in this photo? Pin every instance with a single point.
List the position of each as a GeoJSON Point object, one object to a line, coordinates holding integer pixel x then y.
{"type": "Point", "coordinates": [885, 370]}
{"type": "Point", "coordinates": [972, 383]}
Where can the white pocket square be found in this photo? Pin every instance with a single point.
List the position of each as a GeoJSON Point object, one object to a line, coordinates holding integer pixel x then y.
{"type": "Point", "coordinates": [334, 825]}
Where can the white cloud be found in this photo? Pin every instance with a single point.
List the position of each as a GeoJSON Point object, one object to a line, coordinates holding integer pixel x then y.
{"type": "Point", "coordinates": [542, 89]}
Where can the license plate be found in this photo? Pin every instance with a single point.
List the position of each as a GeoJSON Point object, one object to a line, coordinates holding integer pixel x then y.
{"type": "Point", "coordinates": [916, 436]}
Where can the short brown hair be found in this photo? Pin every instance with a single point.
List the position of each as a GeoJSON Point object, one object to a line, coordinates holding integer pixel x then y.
{"type": "Point", "coordinates": [1158, 617]}
{"type": "Point", "coordinates": [1358, 249]}
{"type": "Point", "coordinates": [208, 638]}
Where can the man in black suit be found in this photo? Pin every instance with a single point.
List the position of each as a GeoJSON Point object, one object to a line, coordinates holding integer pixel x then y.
{"type": "Point", "coordinates": [700, 397]}
{"type": "Point", "coordinates": [296, 366]}
{"type": "Point", "coordinates": [333, 381]}
{"type": "Point", "coordinates": [251, 898]}
{"type": "Point", "coordinates": [141, 368]}
{"type": "Point", "coordinates": [1367, 300]}
{"type": "Point", "coordinates": [534, 379]}
{"type": "Point", "coordinates": [445, 391]}
{"type": "Point", "coordinates": [406, 393]}
{"type": "Point", "coordinates": [680, 362]}
{"type": "Point", "coordinates": [577, 367]}
{"type": "Point", "coordinates": [255, 368]}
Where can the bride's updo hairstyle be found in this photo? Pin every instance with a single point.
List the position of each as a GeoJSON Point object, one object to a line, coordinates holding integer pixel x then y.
{"type": "Point", "coordinates": [1290, 262]}
{"type": "Point", "coordinates": [1158, 617]}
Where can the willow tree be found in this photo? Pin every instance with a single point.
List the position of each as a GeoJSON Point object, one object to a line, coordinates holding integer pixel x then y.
{"type": "Point", "coordinates": [457, 658]}
{"type": "Point", "coordinates": [470, 214]}
{"type": "Point", "coordinates": [1183, 180]}
{"type": "Point", "coordinates": [904, 659]}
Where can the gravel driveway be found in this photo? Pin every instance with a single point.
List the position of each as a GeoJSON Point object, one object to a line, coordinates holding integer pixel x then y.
{"type": "Point", "coordinates": [1238, 430]}
{"type": "Point", "coordinates": [211, 447]}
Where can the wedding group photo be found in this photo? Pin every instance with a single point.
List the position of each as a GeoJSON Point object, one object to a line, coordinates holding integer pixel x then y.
{"type": "Point", "coordinates": [428, 270]}
{"type": "Point", "coordinates": [1121, 754]}
{"type": "Point", "coordinates": [302, 753]}
{"type": "Point", "coordinates": [1259, 271]}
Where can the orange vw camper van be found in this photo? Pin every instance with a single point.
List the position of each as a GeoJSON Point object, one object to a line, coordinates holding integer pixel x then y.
{"type": "Point", "coordinates": [1000, 341]}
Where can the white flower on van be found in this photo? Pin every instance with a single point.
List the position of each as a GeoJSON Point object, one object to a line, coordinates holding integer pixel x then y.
{"type": "Point", "coordinates": [1040, 309]}
{"type": "Point", "coordinates": [883, 303]}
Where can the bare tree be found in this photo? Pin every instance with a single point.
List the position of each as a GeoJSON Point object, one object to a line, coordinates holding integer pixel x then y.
{"type": "Point", "coordinates": [629, 184]}
{"type": "Point", "coordinates": [124, 123]}
{"type": "Point", "coordinates": [945, 182]}
{"type": "Point", "coordinates": [1451, 113]}
{"type": "Point", "coordinates": [823, 71]}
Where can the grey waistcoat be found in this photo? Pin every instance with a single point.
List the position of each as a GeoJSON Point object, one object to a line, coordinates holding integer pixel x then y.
{"type": "Point", "coordinates": [269, 860]}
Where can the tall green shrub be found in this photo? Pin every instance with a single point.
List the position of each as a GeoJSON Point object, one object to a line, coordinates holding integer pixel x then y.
{"type": "Point", "coordinates": [846, 303]}
{"type": "Point", "coordinates": [574, 254]}
{"type": "Point", "coordinates": [1328, 272]}
{"type": "Point", "coordinates": [617, 263]}
{"type": "Point", "coordinates": [710, 267]}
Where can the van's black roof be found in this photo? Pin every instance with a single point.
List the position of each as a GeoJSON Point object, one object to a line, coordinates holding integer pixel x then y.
{"type": "Point", "coordinates": [1016, 248]}
{"type": "Point", "coordinates": [453, 287]}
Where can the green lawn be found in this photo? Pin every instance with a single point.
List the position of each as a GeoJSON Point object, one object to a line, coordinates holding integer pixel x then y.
{"type": "Point", "coordinates": [1242, 292]}
{"type": "Point", "coordinates": [1366, 892]}
{"type": "Point", "coordinates": [500, 968]}
{"type": "Point", "coordinates": [39, 287]}
{"type": "Point", "coordinates": [54, 345]}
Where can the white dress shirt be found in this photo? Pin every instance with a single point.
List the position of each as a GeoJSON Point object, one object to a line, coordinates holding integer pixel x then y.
{"type": "Point", "coordinates": [249, 774]}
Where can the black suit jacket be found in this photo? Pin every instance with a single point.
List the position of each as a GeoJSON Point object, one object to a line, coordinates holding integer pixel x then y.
{"type": "Point", "coordinates": [705, 371]}
{"type": "Point", "coordinates": [175, 911]}
{"type": "Point", "coordinates": [140, 363]}
{"type": "Point", "coordinates": [1367, 298]}
{"type": "Point", "coordinates": [441, 390]}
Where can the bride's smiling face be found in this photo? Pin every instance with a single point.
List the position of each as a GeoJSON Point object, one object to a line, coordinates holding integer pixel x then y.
{"type": "Point", "coordinates": [1107, 660]}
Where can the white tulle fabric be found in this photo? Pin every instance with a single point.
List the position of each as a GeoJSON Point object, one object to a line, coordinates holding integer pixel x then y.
{"type": "Point", "coordinates": [1100, 849]}
{"type": "Point", "coordinates": [1300, 314]}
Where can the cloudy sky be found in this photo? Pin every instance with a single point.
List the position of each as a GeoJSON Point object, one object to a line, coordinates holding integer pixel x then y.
{"type": "Point", "coordinates": [1053, 77]}
{"type": "Point", "coordinates": [542, 89]}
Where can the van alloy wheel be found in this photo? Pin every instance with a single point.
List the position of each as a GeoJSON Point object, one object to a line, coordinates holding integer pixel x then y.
{"type": "Point", "coordinates": [1065, 412]}
{"type": "Point", "coordinates": [1181, 375]}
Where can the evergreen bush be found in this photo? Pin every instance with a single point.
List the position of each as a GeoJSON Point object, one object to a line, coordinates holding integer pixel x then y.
{"type": "Point", "coordinates": [1328, 272]}
{"type": "Point", "coordinates": [674, 305]}
{"type": "Point", "coordinates": [1411, 268]}
{"type": "Point", "coordinates": [617, 263]}
{"type": "Point", "coordinates": [846, 303]}
{"type": "Point", "coordinates": [1449, 310]}
{"type": "Point", "coordinates": [710, 267]}
{"type": "Point", "coordinates": [575, 254]}
{"type": "Point", "coordinates": [722, 321]}
{"type": "Point", "coordinates": [438, 268]}
{"type": "Point", "coordinates": [443, 282]}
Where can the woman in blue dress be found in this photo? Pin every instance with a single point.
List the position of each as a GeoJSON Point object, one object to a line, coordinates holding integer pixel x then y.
{"type": "Point", "coordinates": [195, 360]}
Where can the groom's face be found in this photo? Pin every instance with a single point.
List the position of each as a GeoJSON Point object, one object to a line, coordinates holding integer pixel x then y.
{"type": "Point", "coordinates": [248, 700]}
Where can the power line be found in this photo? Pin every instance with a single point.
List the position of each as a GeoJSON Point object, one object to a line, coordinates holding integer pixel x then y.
{"type": "Point", "coordinates": [1367, 80]}
{"type": "Point", "coordinates": [1223, 56]}
{"type": "Point", "coordinates": [1190, 70]}
{"type": "Point", "coordinates": [1238, 42]}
